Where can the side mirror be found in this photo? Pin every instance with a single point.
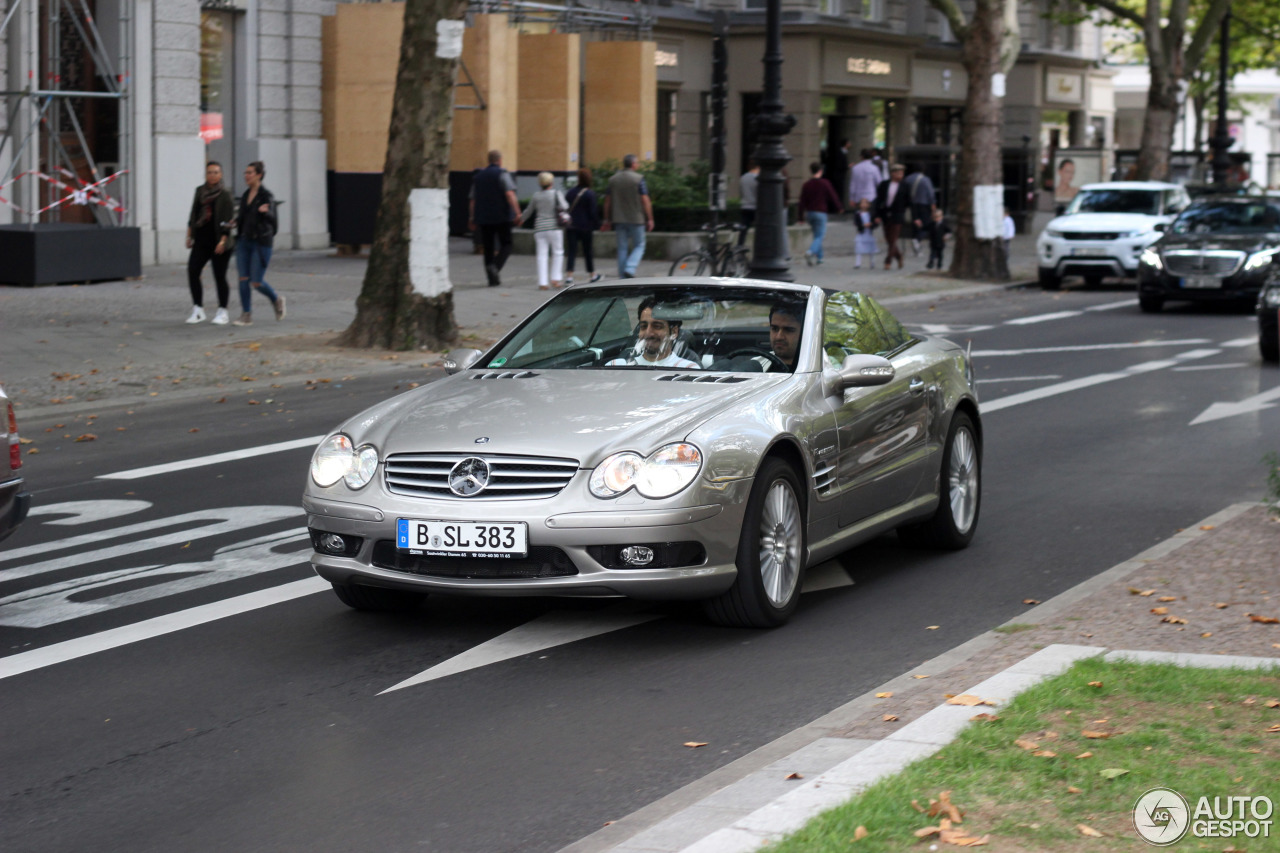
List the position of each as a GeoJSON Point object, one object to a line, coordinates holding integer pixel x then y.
{"type": "Point", "coordinates": [460, 359]}
{"type": "Point", "coordinates": [863, 371]}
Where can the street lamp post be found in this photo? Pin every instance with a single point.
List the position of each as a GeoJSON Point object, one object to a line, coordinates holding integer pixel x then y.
{"type": "Point", "coordinates": [770, 258]}
{"type": "Point", "coordinates": [1222, 136]}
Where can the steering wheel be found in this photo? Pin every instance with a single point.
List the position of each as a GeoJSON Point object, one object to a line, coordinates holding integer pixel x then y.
{"type": "Point", "coordinates": [752, 351]}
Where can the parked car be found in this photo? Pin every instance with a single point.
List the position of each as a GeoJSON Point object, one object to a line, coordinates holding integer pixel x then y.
{"type": "Point", "coordinates": [1269, 318]}
{"type": "Point", "coordinates": [1105, 229]}
{"type": "Point", "coordinates": [1217, 250]}
{"type": "Point", "coordinates": [789, 424]}
{"type": "Point", "coordinates": [14, 500]}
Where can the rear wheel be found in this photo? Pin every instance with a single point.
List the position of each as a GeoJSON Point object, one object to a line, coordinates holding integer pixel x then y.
{"type": "Point", "coordinates": [959, 492]}
{"type": "Point", "coordinates": [738, 264]}
{"type": "Point", "coordinates": [1049, 280]}
{"type": "Point", "coordinates": [1150, 304]}
{"type": "Point", "coordinates": [693, 263]}
{"type": "Point", "coordinates": [771, 553]}
{"type": "Point", "coordinates": [377, 598]}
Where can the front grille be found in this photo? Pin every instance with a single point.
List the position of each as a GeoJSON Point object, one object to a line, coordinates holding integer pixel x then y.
{"type": "Point", "coordinates": [1215, 262]}
{"type": "Point", "coordinates": [426, 475]}
{"type": "Point", "coordinates": [1090, 235]}
{"type": "Point", "coordinates": [542, 562]}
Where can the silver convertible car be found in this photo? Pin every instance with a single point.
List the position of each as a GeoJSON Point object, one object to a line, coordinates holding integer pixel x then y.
{"type": "Point", "coordinates": [659, 439]}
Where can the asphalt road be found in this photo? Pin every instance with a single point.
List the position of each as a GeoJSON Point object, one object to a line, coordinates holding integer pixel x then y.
{"type": "Point", "coordinates": [155, 700]}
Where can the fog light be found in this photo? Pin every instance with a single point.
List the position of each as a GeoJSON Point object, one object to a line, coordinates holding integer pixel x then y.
{"type": "Point", "coordinates": [636, 555]}
{"type": "Point", "coordinates": [333, 543]}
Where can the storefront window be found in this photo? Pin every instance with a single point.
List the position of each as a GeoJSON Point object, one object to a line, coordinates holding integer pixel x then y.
{"type": "Point", "coordinates": [938, 125]}
{"type": "Point", "coordinates": [217, 85]}
{"type": "Point", "coordinates": [668, 102]}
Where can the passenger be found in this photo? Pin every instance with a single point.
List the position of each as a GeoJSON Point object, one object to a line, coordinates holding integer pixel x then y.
{"type": "Point", "coordinates": [656, 341]}
{"type": "Point", "coordinates": [784, 332]}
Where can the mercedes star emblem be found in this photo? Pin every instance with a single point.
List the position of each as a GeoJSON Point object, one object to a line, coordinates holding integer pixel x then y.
{"type": "Point", "coordinates": [469, 477]}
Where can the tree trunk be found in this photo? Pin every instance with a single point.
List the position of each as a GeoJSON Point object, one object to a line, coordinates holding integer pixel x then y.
{"type": "Point", "coordinates": [981, 158]}
{"type": "Point", "coordinates": [390, 312]}
{"type": "Point", "coordinates": [1158, 124]}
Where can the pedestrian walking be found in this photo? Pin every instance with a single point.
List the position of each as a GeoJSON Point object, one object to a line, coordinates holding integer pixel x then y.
{"type": "Point", "coordinates": [818, 200]}
{"type": "Point", "coordinates": [892, 211]}
{"type": "Point", "coordinates": [864, 244]}
{"type": "Point", "coordinates": [924, 201]}
{"type": "Point", "coordinates": [494, 209]}
{"type": "Point", "coordinates": [549, 212]}
{"type": "Point", "coordinates": [937, 240]}
{"type": "Point", "coordinates": [629, 211]}
{"type": "Point", "coordinates": [864, 177]}
{"type": "Point", "coordinates": [256, 225]}
{"type": "Point", "coordinates": [748, 191]}
{"type": "Point", "coordinates": [210, 241]}
{"type": "Point", "coordinates": [584, 219]}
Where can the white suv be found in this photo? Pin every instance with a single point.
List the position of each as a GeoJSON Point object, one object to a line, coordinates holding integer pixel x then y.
{"type": "Point", "coordinates": [1104, 230]}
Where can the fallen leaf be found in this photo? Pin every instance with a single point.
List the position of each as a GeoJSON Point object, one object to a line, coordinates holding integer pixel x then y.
{"type": "Point", "coordinates": [1272, 703]}
{"type": "Point", "coordinates": [1030, 601]}
{"type": "Point", "coordinates": [1133, 590]}
{"type": "Point", "coordinates": [1159, 611]}
{"type": "Point", "coordinates": [184, 547]}
{"type": "Point", "coordinates": [1112, 773]}
{"type": "Point", "coordinates": [693, 744]}
{"type": "Point", "coordinates": [25, 440]}
{"type": "Point", "coordinates": [890, 718]}
{"type": "Point", "coordinates": [1206, 527]}
{"type": "Point", "coordinates": [932, 627]}
{"type": "Point", "coordinates": [246, 378]}
{"type": "Point", "coordinates": [969, 700]}
{"type": "Point", "coordinates": [220, 400]}
{"type": "Point", "coordinates": [1084, 829]}
{"type": "Point", "coordinates": [925, 676]}
{"type": "Point", "coordinates": [794, 776]}
{"type": "Point", "coordinates": [88, 436]}
{"type": "Point", "coordinates": [884, 695]}
{"type": "Point", "coordinates": [1095, 683]}
{"type": "Point", "coordinates": [1072, 789]}
{"type": "Point", "coordinates": [985, 717]}
{"type": "Point", "coordinates": [253, 403]}
{"type": "Point", "coordinates": [1085, 755]}
{"type": "Point", "coordinates": [1092, 735]}
{"type": "Point", "coordinates": [194, 429]}
{"type": "Point", "coordinates": [915, 804]}
{"type": "Point", "coordinates": [33, 450]}
{"type": "Point", "coordinates": [1167, 598]}
{"type": "Point", "coordinates": [1045, 753]}
{"type": "Point", "coordinates": [860, 833]}
{"type": "Point", "coordinates": [1273, 730]}
{"type": "Point", "coordinates": [1174, 620]}
{"type": "Point", "coordinates": [1026, 744]}
{"type": "Point", "coordinates": [1221, 605]}
{"type": "Point", "coordinates": [1206, 635]}
{"type": "Point", "coordinates": [1265, 620]}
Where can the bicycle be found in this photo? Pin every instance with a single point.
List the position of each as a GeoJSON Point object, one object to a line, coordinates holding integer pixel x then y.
{"type": "Point", "coordinates": [716, 258]}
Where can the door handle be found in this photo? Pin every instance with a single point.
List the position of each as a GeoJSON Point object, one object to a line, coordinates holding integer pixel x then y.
{"type": "Point", "coordinates": [916, 386]}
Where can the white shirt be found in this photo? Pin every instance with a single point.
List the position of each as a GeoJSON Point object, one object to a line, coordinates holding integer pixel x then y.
{"type": "Point", "coordinates": [1009, 229]}
{"type": "Point", "coordinates": [671, 360]}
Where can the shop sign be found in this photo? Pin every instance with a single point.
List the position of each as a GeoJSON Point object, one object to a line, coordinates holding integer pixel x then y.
{"type": "Point", "coordinates": [666, 58]}
{"type": "Point", "coordinates": [863, 65]}
{"type": "Point", "coordinates": [210, 127]}
{"type": "Point", "coordinates": [846, 64]}
{"type": "Point", "coordinates": [1064, 88]}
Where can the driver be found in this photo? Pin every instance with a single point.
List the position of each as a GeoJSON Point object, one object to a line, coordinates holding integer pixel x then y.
{"type": "Point", "coordinates": [784, 333]}
{"type": "Point", "coordinates": [655, 341]}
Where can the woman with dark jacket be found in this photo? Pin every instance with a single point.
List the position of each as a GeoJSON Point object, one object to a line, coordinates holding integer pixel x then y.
{"type": "Point", "coordinates": [256, 225]}
{"type": "Point", "coordinates": [584, 220]}
{"type": "Point", "coordinates": [209, 239]}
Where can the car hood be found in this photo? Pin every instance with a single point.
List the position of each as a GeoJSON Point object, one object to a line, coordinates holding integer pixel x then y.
{"type": "Point", "coordinates": [1105, 222]}
{"type": "Point", "coordinates": [1205, 242]}
{"type": "Point", "coordinates": [583, 414]}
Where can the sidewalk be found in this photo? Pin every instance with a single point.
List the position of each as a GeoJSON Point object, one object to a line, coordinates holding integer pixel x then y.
{"type": "Point", "coordinates": [68, 345]}
{"type": "Point", "coordinates": [1219, 571]}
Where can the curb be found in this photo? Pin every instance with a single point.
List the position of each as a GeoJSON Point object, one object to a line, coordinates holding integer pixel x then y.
{"type": "Point", "coordinates": [753, 790]}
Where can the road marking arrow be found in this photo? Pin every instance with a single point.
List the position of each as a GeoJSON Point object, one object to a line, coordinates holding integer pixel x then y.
{"type": "Point", "coordinates": [1248, 405]}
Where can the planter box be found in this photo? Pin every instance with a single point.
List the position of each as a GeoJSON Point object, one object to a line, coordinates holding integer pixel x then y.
{"type": "Point", "coordinates": [63, 253]}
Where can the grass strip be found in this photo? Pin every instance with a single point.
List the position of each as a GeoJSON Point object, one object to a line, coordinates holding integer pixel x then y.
{"type": "Point", "coordinates": [1037, 773]}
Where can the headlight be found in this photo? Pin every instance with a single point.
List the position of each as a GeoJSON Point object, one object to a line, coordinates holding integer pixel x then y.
{"type": "Point", "coordinates": [1150, 257]}
{"type": "Point", "coordinates": [337, 459]}
{"type": "Point", "coordinates": [663, 473]}
{"type": "Point", "coordinates": [1258, 260]}
{"type": "Point", "coordinates": [1057, 235]}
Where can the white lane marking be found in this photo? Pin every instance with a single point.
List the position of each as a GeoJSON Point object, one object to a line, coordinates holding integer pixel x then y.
{"type": "Point", "coordinates": [1222, 366]}
{"type": "Point", "coordinates": [215, 459]}
{"type": "Point", "coordinates": [1089, 381]}
{"type": "Point", "coordinates": [1240, 342]}
{"type": "Point", "coordinates": [80, 512]}
{"type": "Point", "coordinates": [1107, 306]}
{"type": "Point", "coordinates": [553, 629]}
{"type": "Point", "coordinates": [828, 575]}
{"type": "Point", "coordinates": [1247, 406]}
{"type": "Point", "coordinates": [1042, 318]}
{"type": "Point", "coordinates": [160, 625]}
{"type": "Point", "coordinates": [1022, 378]}
{"type": "Point", "coordinates": [990, 353]}
{"type": "Point", "coordinates": [83, 596]}
{"type": "Point", "coordinates": [227, 520]}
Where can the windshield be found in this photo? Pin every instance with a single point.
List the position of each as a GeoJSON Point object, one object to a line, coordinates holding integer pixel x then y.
{"type": "Point", "coordinates": [1116, 201]}
{"type": "Point", "coordinates": [659, 328]}
{"type": "Point", "coordinates": [1228, 218]}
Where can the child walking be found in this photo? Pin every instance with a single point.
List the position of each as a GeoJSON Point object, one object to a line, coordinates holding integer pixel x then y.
{"type": "Point", "coordinates": [937, 240]}
{"type": "Point", "coordinates": [865, 241]}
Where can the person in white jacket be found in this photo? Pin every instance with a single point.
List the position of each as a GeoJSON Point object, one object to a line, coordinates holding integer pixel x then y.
{"type": "Point", "coordinates": [1007, 232]}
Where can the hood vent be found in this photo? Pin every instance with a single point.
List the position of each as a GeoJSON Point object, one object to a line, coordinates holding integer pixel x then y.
{"type": "Point", "coordinates": [506, 374]}
{"type": "Point", "coordinates": [702, 377]}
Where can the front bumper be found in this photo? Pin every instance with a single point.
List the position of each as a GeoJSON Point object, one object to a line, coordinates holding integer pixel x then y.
{"type": "Point", "coordinates": [1240, 287]}
{"type": "Point", "coordinates": [571, 552]}
{"type": "Point", "coordinates": [1117, 258]}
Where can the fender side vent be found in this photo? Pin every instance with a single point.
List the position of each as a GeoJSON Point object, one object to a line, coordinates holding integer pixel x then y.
{"type": "Point", "coordinates": [506, 374]}
{"type": "Point", "coordinates": [730, 378]}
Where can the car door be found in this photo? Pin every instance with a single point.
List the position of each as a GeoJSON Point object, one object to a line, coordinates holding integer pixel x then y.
{"type": "Point", "coordinates": [882, 431]}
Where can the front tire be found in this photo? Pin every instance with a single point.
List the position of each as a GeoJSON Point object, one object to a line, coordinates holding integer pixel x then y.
{"type": "Point", "coordinates": [376, 598]}
{"type": "Point", "coordinates": [959, 492]}
{"type": "Point", "coordinates": [1049, 280]}
{"type": "Point", "coordinates": [692, 263]}
{"type": "Point", "coordinates": [1269, 344]}
{"type": "Point", "coordinates": [771, 554]}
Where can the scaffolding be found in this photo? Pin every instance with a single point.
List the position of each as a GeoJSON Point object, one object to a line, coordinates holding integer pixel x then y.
{"type": "Point", "coordinates": [602, 19]}
{"type": "Point", "coordinates": [43, 142]}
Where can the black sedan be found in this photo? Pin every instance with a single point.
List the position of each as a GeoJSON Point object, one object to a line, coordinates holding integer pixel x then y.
{"type": "Point", "coordinates": [1217, 250]}
{"type": "Point", "coordinates": [14, 499]}
{"type": "Point", "coordinates": [1269, 319]}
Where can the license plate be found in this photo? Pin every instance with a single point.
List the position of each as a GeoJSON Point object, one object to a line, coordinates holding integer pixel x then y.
{"type": "Point", "coordinates": [472, 538]}
{"type": "Point", "coordinates": [1201, 282]}
{"type": "Point", "coordinates": [1087, 252]}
